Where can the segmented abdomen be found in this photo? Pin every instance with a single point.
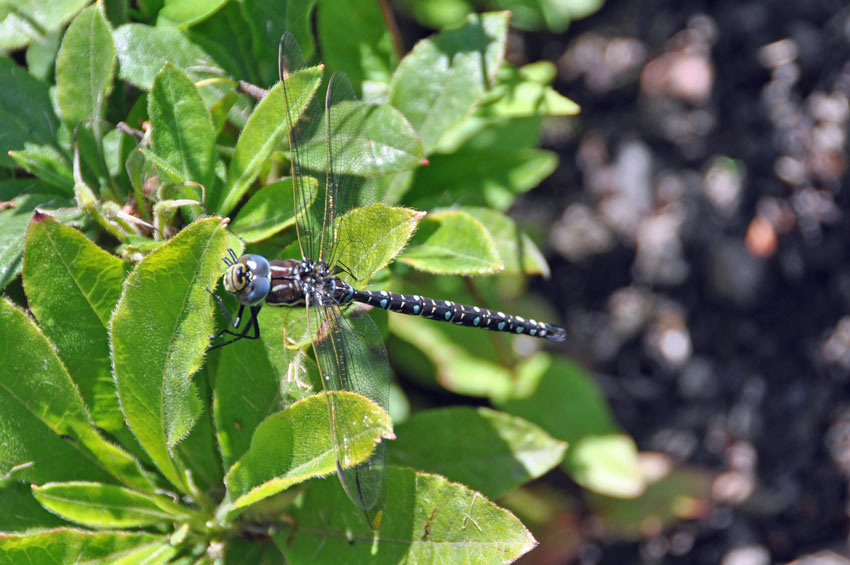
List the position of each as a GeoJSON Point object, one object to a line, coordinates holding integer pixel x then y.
{"type": "Point", "coordinates": [460, 314]}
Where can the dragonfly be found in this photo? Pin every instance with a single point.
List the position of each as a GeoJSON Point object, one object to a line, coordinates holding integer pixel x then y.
{"type": "Point", "coordinates": [347, 346]}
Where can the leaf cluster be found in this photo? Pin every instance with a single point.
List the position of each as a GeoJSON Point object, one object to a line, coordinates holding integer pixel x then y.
{"type": "Point", "coordinates": [139, 445]}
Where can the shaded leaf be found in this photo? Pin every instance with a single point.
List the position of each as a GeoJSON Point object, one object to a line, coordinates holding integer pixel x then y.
{"type": "Point", "coordinates": [674, 494]}
{"type": "Point", "coordinates": [48, 164]}
{"type": "Point", "coordinates": [73, 286]}
{"type": "Point", "coordinates": [490, 178]}
{"type": "Point", "coordinates": [15, 219]}
{"type": "Point", "coordinates": [442, 79]}
{"type": "Point", "coordinates": [487, 450]}
{"type": "Point", "coordinates": [268, 19]}
{"type": "Point", "coordinates": [160, 330]}
{"type": "Point", "coordinates": [47, 433]}
{"type": "Point", "coordinates": [98, 505]}
{"type": "Point", "coordinates": [295, 445]}
{"type": "Point", "coordinates": [84, 67]}
{"type": "Point", "coordinates": [452, 242]}
{"type": "Point", "coordinates": [426, 519]}
{"type": "Point", "coordinates": [28, 514]}
{"type": "Point", "coordinates": [246, 390]}
{"type": "Point", "coordinates": [560, 398]}
{"type": "Point", "coordinates": [365, 51]}
{"type": "Point", "coordinates": [25, 109]}
{"type": "Point", "coordinates": [457, 369]}
{"type": "Point", "coordinates": [269, 210]}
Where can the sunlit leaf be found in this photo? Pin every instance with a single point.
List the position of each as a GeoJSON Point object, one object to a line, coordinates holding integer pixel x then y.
{"type": "Point", "coordinates": [426, 519]}
{"type": "Point", "coordinates": [99, 505]}
{"type": "Point", "coordinates": [160, 330]}
{"type": "Point", "coordinates": [84, 67]}
{"type": "Point", "coordinates": [442, 79]}
{"type": "Point", "coordinates": [184, 13]}
{"type": "Point", "coordinates": [46, 430]}
{"type": "Point", "coordinates": [25, 20]}
{"type": "Point", "coordinates": [79, 546]}
{"type": "Point", "coordinates": [73, 286]}
{"type": "Point", "coordinates": [452, 242]}
{"type": "Point", "coordinates": [295, 445]}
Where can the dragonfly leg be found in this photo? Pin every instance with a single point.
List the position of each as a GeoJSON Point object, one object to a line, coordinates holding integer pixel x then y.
{"type": "Point", "coordinates": [234, 325]}
{"type": "Point", "coordinates": [252, 324]}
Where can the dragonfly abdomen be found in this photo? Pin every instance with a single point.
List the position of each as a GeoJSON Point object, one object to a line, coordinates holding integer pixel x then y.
{"type": "Point", "coordinates": [459, 314]}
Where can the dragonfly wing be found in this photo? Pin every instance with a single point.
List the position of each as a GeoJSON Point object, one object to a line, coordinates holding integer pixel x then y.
{"type": "Point", "coordinates": [351, 357]}
{"type": "Point", "coordinates": [307, 156]}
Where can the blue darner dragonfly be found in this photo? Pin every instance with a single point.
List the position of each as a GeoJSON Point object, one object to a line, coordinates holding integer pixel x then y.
{"type": "Point", "coordinates": [348, 348]}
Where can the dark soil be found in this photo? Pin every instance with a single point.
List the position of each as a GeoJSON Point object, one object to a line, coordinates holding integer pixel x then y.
{"type": "Point", "coordinates": [699, 255]}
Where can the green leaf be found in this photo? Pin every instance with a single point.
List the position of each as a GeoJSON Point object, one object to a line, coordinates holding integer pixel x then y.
{"type": "Point", "coordinates": [373, 141]}
{"type": "Point", "coordinates": [495, 452]}
{"type": "Point", "coordinates": [160, 330]}
{"type": "Point", "coordinates": [84, 67]}
{"type": "Point", "coordinates": [97, 505]}
{"type": "Point", "coordinates": [515, 248]}
{"type": "Point", "coordinates": [25, 20]}
{"type": "Point", "coordinates": [295, 445]}
{"type": "Point", "coordinates": [269, 210]}
{"type": "Point", "coordinates": [25, 109]}
{"type": "Point", "coordinates": [29, 515]}
{"type": "Point", "coordinates": [452, 242]}
{"type": "Point", "coordinates": [490, 178]}
{"type": "Point", "coordinates": [199, 450]}
{"type": "Point", "coordinates": [76, 546]}
{"type": "Point", "coordinates": [526, 92]}
{"type": "Point", "coordinates": [370, 237]}
{"type": "Point", "coordinates": [246, 551]}
{"type": "Point", "coordinates": [559, 397]}
{"type": "Point", "coordinates": [264, 132]}
{"type": "Point", "coordinates": [553, 15]}
{"type": "Point", "coordinates": [47, 434]}
{"type": "Point", "coordinates": [444, 77]}
{"type": "Point", "coordinates": [73, 286]}
{"type": "Point", "coordinates": [457, 369]}
{"type": "Point", "coordinates": [365, 50]}
{"type": "Point", "coordinates": [427, 519]}
{"type": "Point", "coordinates": [143, 50]}
{"type": "Point", "coordinates": [181, 128]}
{"type": "Point", "coordinates": [47, 163]}
{"type": "Point", "coordinates": [15, 219]}
{"type": "Point", "coordinates": [267, 20]}
{"type": "Point", "coordinates": [246, 390]}
{"type": "Point", "coordinates": [673, 495]}
{"type": "Point", "coordinates": [184, 13]}
{"type": "Point", "coordinates": [236, 55]}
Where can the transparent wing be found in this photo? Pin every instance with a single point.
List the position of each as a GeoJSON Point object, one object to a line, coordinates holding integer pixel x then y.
{"type": "Point", "coordinates": [354, 175]}
{"type": "Point", "coordinates": [351, 357]}
{"type": "Point", "coordinates": [303, 129]}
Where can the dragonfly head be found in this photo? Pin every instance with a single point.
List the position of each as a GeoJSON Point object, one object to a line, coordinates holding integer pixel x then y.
{"type": "Point", "coordinates": [248, 279]}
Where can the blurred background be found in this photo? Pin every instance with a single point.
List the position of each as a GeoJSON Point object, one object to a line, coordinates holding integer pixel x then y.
{"type": "Point", "coordinates": [698, 247]}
